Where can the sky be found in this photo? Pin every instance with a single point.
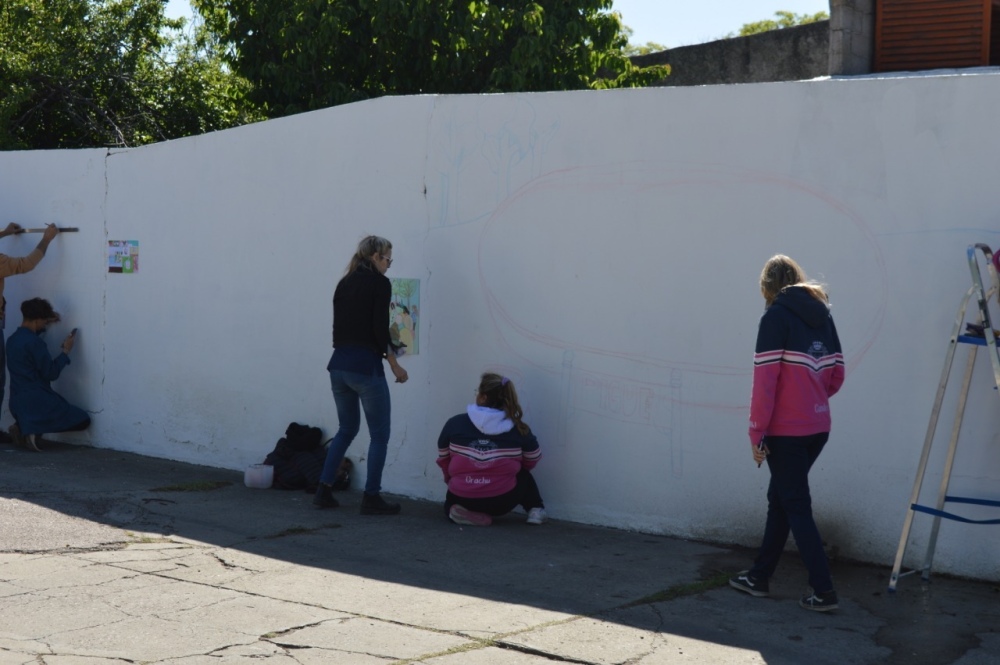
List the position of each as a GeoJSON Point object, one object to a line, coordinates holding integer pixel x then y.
{"type": "Point", "coordinates": [673, 22]}
{"type": "Point", "coordinates": [685, 22]}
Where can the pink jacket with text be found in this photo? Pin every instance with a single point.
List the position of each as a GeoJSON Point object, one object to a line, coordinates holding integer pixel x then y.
{"type": "Point", "coordinates": [480, 453]}
{"type": "Point", "coordinates": [797, 366]}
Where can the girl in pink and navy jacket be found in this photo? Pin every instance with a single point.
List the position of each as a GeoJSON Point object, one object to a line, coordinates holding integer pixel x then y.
{"type": "Point", "coordinates": [798, 365]}
{"type": "Point", "coordinates": [486, 455]}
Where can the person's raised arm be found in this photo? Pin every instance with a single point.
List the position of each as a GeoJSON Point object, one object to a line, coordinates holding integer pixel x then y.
{"type": "Point", "coordinates": [51, 231]}
{"type": "Point", "coordinates": [18, 265]}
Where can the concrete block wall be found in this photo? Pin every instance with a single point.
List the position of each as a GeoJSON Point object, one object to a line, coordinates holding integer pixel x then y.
{"type": "Point", "coordinates": [791, 54]}
{"type": "Point", "coordinates": [852, 36]}
{"type": "Point", "coordinates": [602, 249]}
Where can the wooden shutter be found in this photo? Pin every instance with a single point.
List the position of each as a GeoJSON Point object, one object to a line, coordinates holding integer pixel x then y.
{"type": "Point", "coordinates": [932, 34]}
{"type": "Point", "coordinates": [995, 34]}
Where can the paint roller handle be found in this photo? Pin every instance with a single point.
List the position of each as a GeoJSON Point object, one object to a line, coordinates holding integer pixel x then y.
{"type": "Point", "coordinates": [61, 229]}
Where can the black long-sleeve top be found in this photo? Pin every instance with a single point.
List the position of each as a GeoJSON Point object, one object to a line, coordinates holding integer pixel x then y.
{"type": "Point", "coordinates": [361, 310]}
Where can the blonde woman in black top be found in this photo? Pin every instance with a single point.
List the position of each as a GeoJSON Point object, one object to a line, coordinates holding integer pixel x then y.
{"type": "Point", "coordinates": [357, 376]}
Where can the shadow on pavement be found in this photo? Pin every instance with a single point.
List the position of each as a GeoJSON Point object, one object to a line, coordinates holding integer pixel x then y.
{"type": "Point", "coordinates": [654, 583]}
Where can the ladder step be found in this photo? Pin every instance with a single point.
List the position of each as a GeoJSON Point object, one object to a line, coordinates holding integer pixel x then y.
{"type": "Point", "coordinates": [975, 334]}
{"type": "Point", "coordinates": [958, 518]}
{"type": "Point", "coordinates": [970, 339]}
{"type": "Point", "coordinates": [976, 502]}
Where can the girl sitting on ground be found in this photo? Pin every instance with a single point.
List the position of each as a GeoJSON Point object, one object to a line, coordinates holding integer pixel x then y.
{"type": "Point", "coordinates": [487, 454]}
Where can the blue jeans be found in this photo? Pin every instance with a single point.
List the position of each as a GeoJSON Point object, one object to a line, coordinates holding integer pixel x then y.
{"type": "Point", "coordinates": [789, 508]}
{"type": "Point", "coordinates": [351, 393]}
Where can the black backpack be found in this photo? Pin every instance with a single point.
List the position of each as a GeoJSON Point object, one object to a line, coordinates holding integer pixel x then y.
{"type": "Point", "coordinates": [298, 458]}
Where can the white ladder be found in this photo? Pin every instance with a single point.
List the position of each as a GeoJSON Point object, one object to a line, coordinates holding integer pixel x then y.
{"type": "Point", "coordinates": [988, 339]}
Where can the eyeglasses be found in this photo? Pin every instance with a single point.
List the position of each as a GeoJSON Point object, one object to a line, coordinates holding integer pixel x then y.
{"type": "Point", "coordinates": [388, 260]}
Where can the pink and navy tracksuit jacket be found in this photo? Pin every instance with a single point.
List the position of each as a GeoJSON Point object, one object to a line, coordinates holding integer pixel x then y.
{"type": "Point", "coordinates": [481, 453]}
{"type": "Point", "coordinates": [797, 366]}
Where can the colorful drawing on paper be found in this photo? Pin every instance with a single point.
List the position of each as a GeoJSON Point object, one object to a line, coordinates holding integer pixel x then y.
{"type": "Point", "coordinates": [404, 317]}
{"type": "Point", "coordinates": [123, 256]}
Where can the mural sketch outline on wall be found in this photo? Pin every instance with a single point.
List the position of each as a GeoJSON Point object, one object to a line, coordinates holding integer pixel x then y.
{"type": "Point", "coordinates": [511, 144]}
{"type": "Point", "coordinates": [634, 383]}
{"type": "Point", "coordinates": [404, 316]}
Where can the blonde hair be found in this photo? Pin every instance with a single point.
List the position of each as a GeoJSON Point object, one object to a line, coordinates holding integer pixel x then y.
{"type": "Point", "coordinates": [780, 272]}
{"type": "Point", "coordinates": [498, 393]}
{"type": "Point", "coordinates": [368, 247]}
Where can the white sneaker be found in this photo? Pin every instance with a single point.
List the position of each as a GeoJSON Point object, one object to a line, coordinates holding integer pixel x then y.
{"type": "Point", "coordinates": [537, 516]}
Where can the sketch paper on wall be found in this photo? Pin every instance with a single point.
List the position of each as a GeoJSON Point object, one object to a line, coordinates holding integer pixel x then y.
{"type": "Point", "coordinates": [123, 256]}
{"type": "Point", "coordinates": [404, 313]}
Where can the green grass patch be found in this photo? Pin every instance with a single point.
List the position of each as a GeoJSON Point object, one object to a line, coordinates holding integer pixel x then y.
{"type": "Point", "coordinates": [474, 644]}
{"type": "Point", "coordinates": [715, 582]}
{"type": "Point", "coordinates": [138, 539]}
{"type": "Point", "coordinates": [300, 530]}
{"type": "Point", "coordinates": [196, 486]}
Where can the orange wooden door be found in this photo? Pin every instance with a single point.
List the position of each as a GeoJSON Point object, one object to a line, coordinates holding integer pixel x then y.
{"type": "Point", "coordinates": [933, 34]}
{"type": "Point", "coordinates": [995, 34]}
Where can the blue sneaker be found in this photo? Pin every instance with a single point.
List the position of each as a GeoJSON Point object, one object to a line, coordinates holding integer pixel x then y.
{"type": "Point", "coordinates": [747, 583]}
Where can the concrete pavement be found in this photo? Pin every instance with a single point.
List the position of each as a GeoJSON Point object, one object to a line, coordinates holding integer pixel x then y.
{"type": "Point", "coordinates": [109, 557]}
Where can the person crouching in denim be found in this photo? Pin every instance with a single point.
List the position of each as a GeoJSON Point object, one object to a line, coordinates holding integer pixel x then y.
{"type": "Point", "coordinates": [36, 407]}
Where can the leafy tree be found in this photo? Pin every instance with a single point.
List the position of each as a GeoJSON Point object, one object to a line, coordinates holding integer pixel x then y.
{"type": "Point", "coordinates": [301, 55]}
{"type": "Point", "coordinates": [785, 19]}
{"type": "Point", "coordinates": [87, 73]}
{"type": "Point", "coordinates": [640, 49]}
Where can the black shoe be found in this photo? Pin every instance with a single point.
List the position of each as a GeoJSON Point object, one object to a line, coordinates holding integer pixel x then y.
{"type": "Point", "coordinates": [324, 497]}
{"type": "Point", "coordinates": [747, 583]}
{"type": "Point", "coordinates": [819, 602]}
{"type": "Point", "coordinates": [374, 504]}
{"type": "Point", "coordinates": [24, 441]}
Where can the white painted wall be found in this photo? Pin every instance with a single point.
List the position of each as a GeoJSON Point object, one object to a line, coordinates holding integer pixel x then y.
{"type": "Point", "coordinates": [602, 249]}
